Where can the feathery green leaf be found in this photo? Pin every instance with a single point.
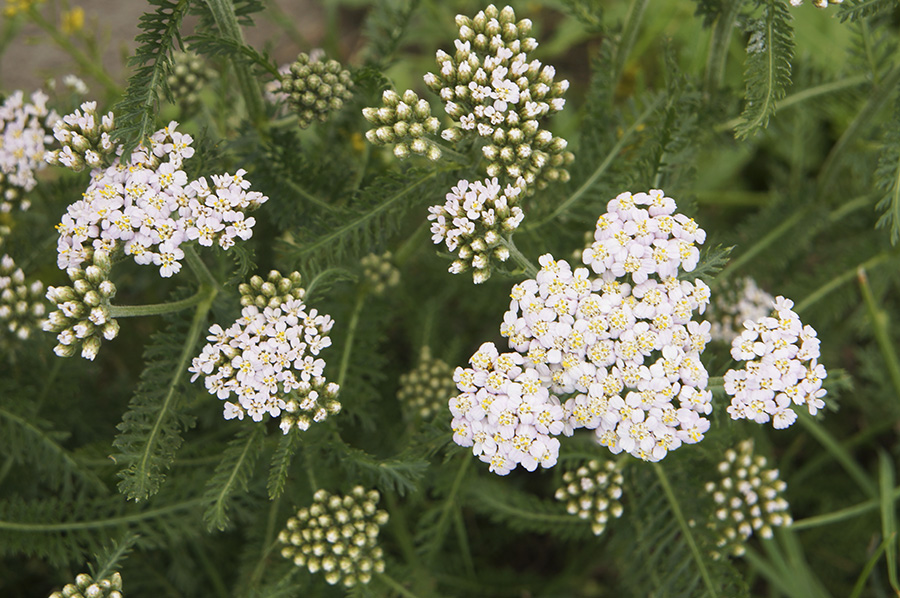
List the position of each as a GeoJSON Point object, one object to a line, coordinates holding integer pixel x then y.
{"type": "Point", "coordinates": [281, 464]}
{"type": "Point", "coordinates": [887, 178]}
{"type": "Point", "coordinates": [231, 475]}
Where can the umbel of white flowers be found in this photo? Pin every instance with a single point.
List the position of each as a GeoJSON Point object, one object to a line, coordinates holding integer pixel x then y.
{"type": "Point", "coordinates": [592, 492]}
{"type": "Point", "coordinates": [21, 305]}
{"type": "Point", "coordinates": [338, 536]}
{"type": "Point", "coordinates": [748, 498]}
{"type": "Point", "coordinates": [611, 347]}
{"type": "Point", "coordinates": [82, 314]}
{"type": "Point", "coordinates": [268, 358]}
{"type": "Point", "coordinates": [24, 136]}
{"type": "Point", "coordinates": [86, 587]}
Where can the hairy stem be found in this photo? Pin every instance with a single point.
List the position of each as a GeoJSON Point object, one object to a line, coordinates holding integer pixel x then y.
{"type": "Point", "coordinates": [69, 526]}
{"type": "Point", "coordinates": [348, 340]}
{"type": "Point", "coordinates": [156, 309]}
{"type": "Point", "coordinates": [629, 35]}
{"type": "Point", "coordinates": [881, 330]}
{"type": "Point", "coordinates": [204, 276]}
{"type": "Point", "coordinates": [842, 279]}
{"type": "Point", "coordinates": [530, 269]}
{"type": "Point", "coordinates": [718, 46]}
{"type": "Point", "coordinates": [840, 454]}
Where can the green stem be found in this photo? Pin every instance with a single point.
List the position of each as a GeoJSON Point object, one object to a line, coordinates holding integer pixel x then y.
{"type": "Point", "coordinates": [530, 269]}
{"type": "Point", "coordinates": [83, 61]}
{"type": "Point", "coordinates": [718, 47]}
{"type": "Point", "coordinates": [212, 571]}
{"type": "Point", "coordinates": [449, 502]}
{"type": "Point", "coordinates": [308, 196]}
{"type": "Point", "coordinates": [401, 530]}
{"type": "Point", "coordinates": [603, 166]}
{"type": "Point", "coordinates": [878, 95]}
{"type": "Point", "coordinates": [868, 567]}
{"type": "Point", "coordinates": [760, 245]}
{"type": "Point", "coordinates": [98, 523]}
{"type": "Point", "coordinates": [774, 576]}
{"type": "Point", "coordinates": [156, 309]}
{"type": "Point", "coordinates": [269, 543]}
{"type": "Point", "coordinates": [204, 276]}
{"type": "Point", "coordinates": [629, 34]}
{"type": "Point", "coordinates": [348, 340]}
{"type": "Point", "coordinates": [392, 583]}
{"type": "Point", "coordinates": [685, 529]}
{"type": "Point", "coordinates": [223, 14]}
{"type": "Point", "coordinates": [842, 279]}
{"type": "Point", "coordinates": [881, 329]}
{"type": "Point", "coordinates": [802, 96]}
{"type": "Point", "coordinates": [7, 467]}
{"type": "Point", "coordinates": [839, 453]}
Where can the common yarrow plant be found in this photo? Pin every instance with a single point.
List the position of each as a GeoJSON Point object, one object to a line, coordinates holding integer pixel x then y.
{"type": "Point", "coordinates": [672, 224]}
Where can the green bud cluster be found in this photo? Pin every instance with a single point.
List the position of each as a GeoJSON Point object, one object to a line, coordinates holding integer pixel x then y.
{"type": "Point", "coordinates": [426, 390]}
{"type": "Point", "coordinates": [316, 88]}
{"type": "Point", "coordinates": [748, 498]}
{"type": "Point", "coordinates": [86, 587]}
{"type": "Point", "coordinates": [85, 139]}
{"type": "Point", "coordinates": [187, 77]}
{"type": "Point", "coordinates": [21, 305]}
{"type": "Point", "coordinates": [592, 492]}
{"type": "Point", "coordinates": [337, 535]}
{"type": "Point", "coordinates": [494, 92]}
{"type": "Point", "coordinates": [379, 273]}
{"type": "Point", "coordinates": [82, 315]}
{"type": "Point", "coordinates": [404, 122]}
{"type": "Point", "coordinates": [310, 402]}
{"type": "Point", "coordinates": [273, 291]}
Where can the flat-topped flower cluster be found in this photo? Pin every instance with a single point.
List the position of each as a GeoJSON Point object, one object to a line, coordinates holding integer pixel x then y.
{"type": "Point", "coordinates": [268, 359]}
{"type": "Point", "coordinates": [620, 344]}
{"type": "Point", "coordinates": [781, 368]}
{"type": "Point", "coordinates": [24, 137]}
{"type": "Point", "coordinates": [149, 208]}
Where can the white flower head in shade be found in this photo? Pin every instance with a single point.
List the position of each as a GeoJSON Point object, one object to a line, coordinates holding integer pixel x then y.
{"type": "Point", "coordinates": [781, 368]}
{"type": "Point", "coordinates": [21, 306]}
{"type": "Point", "coordinates": [337, 536]}
{"type": "Point", "coordinates": [24, 137]}
{"type": "Point", "coordinates": [149, 208]}
{"type": "Point", "coordinates": [505, 414]}
{"type": "Point", "coordinates": [748, 498]}
{"type": "Point", "coordinates": [473, 222]}
{"type": "Point", "coordinates": [817, 3]}
{"type": "Point", "coordinates": [734, 305]}
{"type": "Point", "coordinates": [267, 363]}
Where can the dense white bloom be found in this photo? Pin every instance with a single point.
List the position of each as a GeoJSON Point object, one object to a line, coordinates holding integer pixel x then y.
{"type": "Point", "coordinates": [817, 3]}
{"type": "Point", "coordinates": [24, 137]}
{"type": "Point", "coordinates": [748, 498]}
{"type": "Point", "coordinates": [150, 208]}
{"type": "Point", "coordinates": [505, 414]}
{"type": "Point", "coordinates": [781, 369]}
{"type": "Point", "coordinates": [268, 359]}
{"type": "Point", "coordinates": [473, 221]}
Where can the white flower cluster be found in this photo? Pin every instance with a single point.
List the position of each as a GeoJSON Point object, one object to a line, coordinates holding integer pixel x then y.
{"type": "Point", "coordinates": [426, 390]}
{"type": "Point", "coordinates": [592, 492]}
{"type": "Point", "coordinates": [624, 342]}
{"type": "Point", "coordinates": [748, 498]}
{"type": "Point", "coordinates": [735, 305]}
{"type": "Point", "coordinates": [781, 369]}
{"type": "Point", "coordinates": [82, 316]}
{"type": "Point", "coordinates": [21, 305]}
{"type": "Point", "coordinates": [379, 273]}
{"type": "Point", "coordinates": [149, 208]}
{"type": "Point", "coordinates": [473, 221]}
{"type": "Point", "coordinates": [85, 139]}
{"type": "Point", "coordinates": [817, 3]}
{"type": "Point", "coordinates": [337, 535]}
{"type": "Point", "coordinates": [86, 587]}
{"type": "Point", "coordinates": [269, 360]}
{"type": "Point", "coordinates": [24, 137]}
{"type": "Point", "coordinates": [505, 414]}
{"type": "Point", "coordinates": [494, 92]}
{"type": "Point", "coordinates": [404, 122]}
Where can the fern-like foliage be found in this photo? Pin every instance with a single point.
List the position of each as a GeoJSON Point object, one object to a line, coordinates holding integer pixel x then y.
{"type": "Point", "coordinates": [400, 474]}
{"type": "Point", "coordinates": [767, 70]}
{"type": "Point", "coordinates": [28, 440]}
{"type": "Point", "coordinates": [150, 431]}
{"type": "Point", "coordinates": [524, 512]}
{"type": "Point", "coordinates": [853, 10]}
{"type": "Point", "coordinates": [136, 111]}
{"type": "Point", "coordinates": [887, 178]}
{"type": "Point", "coordinates": [216, 45]}
{"type": "Point", "coordinates": [372, 216]}
{"type": "Point", "coordinates": [232, 475]}
{"type": "Point", "coordinates": [107, 560]}
{"type": "Point", "coordinates": [385, 27]}
{"type": "Point", "coordinates": [281, 464]}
